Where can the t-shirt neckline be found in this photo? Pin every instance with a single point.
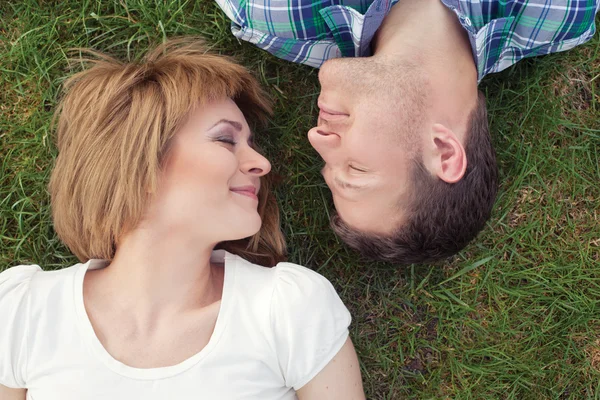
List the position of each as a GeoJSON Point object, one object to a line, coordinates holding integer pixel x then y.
{"type": "Point", "coordinates": [108, 360]}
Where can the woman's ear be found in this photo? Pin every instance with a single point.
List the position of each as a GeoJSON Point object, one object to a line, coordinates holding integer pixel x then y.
{"type": "Point", "coordinates": [444, 155]}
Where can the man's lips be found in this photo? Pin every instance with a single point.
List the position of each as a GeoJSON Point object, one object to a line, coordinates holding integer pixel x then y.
{"type": "Point", "coordinates": [330, 114]}
{"type": "Point", "coordinates": [249, 191]}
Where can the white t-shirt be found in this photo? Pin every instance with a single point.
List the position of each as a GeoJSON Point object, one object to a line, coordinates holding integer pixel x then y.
{"type": "Point", "coordinates": [277, 328]}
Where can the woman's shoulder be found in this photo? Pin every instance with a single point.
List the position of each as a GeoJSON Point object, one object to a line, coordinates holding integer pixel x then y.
{"type": "Point", "coordinates": [18, 283]}
{"type": "Point", "coordinates": [19, 273]}
{"type": "Point", "coordinates": [290, 273]}
{"type": "Point", "coordinates": [15, 281]}
{"type": "Point", "coordinates": [307, 322]}
{"type": "Point", "coordinates": [282, 277]}
{"type": "Point", "coordinates": [298, 289]}
{"type": "Point", "coordinates": [26, 293]}
{"type": "Point", "coordinates": [14, 313]}
{"type": "Point", "coordinates": [296, 285]}
{"type": "Point", "coordinates": [290, 288]}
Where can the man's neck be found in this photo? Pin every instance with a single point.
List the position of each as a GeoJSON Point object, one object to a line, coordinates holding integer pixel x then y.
{"type": "Point", "coordinates": [427, 34]}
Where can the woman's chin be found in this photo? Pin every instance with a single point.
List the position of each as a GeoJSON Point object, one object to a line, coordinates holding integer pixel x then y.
{"type": "Point", "coordinates": [247, 228]}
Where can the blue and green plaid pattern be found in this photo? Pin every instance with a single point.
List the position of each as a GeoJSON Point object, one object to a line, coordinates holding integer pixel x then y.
{"type": "Point", "coordinates": [501, 32]}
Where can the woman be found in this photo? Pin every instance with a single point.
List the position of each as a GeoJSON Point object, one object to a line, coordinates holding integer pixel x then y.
{"type": "Point", "coordinates": [156, 169]}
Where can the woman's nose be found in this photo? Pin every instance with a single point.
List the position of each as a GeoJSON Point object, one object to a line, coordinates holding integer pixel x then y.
{"type": "Point", "coordinates": [255, 164]}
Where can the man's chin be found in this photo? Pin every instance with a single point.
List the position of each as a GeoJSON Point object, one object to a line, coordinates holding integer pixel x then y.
{"type": "Point", "coordinates": [369, 224]}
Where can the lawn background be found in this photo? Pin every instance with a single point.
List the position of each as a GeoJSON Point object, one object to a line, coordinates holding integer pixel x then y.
{"type": "Point", "coordinates": [514, 316]}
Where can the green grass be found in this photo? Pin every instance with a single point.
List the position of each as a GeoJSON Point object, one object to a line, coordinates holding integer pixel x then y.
{"type": "Point", "coordinates": [514, 316]}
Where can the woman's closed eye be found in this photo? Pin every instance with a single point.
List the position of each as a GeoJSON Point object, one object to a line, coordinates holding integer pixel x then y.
{"type": "Point", "coordinates": [227, 140]}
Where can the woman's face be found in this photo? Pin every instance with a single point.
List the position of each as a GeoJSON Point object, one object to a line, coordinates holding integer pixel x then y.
{"type": "Point", "coordinates": [211, 176]}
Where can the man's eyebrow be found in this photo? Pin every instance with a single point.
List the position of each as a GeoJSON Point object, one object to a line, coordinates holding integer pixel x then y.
{"type": "Point", "coordinates": [236, 125]}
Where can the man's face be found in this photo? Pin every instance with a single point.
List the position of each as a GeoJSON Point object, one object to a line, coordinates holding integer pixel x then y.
{"type": "Point", "coordinates": [367, 136]}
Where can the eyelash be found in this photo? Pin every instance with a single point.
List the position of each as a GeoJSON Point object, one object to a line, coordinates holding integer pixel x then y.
{"type": "Point", "coordinates": [227, 140]}
{"type": "Point", "coordinates": [356, 169]}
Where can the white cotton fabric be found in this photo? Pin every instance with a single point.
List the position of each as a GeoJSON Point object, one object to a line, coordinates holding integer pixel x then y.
{"type": "Point", "coordinates": [277, 329]}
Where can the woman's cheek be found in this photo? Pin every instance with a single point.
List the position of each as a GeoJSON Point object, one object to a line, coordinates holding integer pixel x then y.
{"type": "Point", "coordinates": [222, 165]}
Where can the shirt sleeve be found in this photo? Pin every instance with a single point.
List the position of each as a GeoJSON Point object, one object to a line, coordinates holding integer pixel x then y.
{"type": "Point", "coordinates": [309, 321]}
{"type": "Point", "coordinates": [14, 324]}
{"type": "Point", "coordinates": [276, 30]}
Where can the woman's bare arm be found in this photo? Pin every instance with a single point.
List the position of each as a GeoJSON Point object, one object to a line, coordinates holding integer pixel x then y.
{"type": "Point", "coordinates": [12, 394]}
{"type": "Point", "coordinates": [340, 379]}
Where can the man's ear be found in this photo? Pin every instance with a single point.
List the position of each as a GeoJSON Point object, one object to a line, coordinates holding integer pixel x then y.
{"type": "Point", "coordinates": [444, 155]}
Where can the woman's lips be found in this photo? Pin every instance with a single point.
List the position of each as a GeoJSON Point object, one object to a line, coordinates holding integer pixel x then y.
{"type": "Point", "coordinates": [248, 191]}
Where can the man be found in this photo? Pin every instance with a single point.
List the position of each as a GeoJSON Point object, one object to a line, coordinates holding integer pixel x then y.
{"type": "Point", "coordinates": [402, 127]}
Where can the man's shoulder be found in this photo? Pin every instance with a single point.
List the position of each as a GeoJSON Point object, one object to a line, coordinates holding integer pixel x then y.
{"type": "Point", "coordinates": [307, 31]}
{"type": "Point", "coordinates": [504, 32]}
{"type": "Point", "coordinates": [543, 15]}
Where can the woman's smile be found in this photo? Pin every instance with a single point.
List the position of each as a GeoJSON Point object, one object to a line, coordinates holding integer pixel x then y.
{"type": "Point", "coordinates": [249, 191]}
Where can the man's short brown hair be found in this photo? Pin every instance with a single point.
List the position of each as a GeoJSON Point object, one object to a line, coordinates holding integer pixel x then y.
{"type": "Point", "coordinates": [442, 218]}
{"type": "Point", "coordinates": [114, 126]}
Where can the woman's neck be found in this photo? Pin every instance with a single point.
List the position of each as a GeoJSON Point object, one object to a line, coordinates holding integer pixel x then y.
{"type": "Point", "coordinates": [159, 291]}
{"type": "Point", "coordinates": [157, 271]}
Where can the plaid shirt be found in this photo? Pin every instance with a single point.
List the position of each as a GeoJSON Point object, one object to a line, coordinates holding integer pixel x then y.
{"type": "Point", "coordinates": [501, 32]}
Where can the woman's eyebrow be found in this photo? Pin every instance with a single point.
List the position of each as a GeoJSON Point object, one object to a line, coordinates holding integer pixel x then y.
{"type": "Point", "coordinates": [236, 125]}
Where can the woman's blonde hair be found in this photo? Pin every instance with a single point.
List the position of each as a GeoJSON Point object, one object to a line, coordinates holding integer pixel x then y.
{"type": "Point", "coordinates": [113, 126]}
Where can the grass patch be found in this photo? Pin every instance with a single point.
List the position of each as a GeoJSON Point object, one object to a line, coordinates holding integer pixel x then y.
{"type": "Point", "coordinates": [514, 316]}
